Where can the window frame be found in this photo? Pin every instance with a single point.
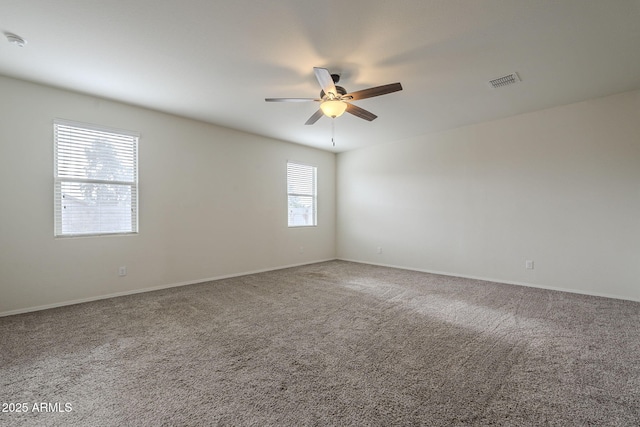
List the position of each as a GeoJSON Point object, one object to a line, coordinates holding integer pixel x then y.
{"type": "Point", "coordinates": [58, 204]}
{"type": "Point", "coordinates": [313, 195]}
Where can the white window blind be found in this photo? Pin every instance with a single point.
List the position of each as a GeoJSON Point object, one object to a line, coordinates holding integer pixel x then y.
{"type": "Point", "coordinates": [302, 194]}
{"type": "Point", "coordinates": [96, 180]}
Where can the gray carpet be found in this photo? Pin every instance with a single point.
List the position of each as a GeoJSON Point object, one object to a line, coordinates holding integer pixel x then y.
{"type": "Point", "coordinates": [334, 343]}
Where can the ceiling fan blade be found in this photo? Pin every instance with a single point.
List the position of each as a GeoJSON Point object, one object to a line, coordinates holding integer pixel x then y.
{"type": "Point", "coordinates": [374, 91]}
{"type": "Point", "coordinates": [315, 117]}
{"type": "Point", "coordinates": [292, 99]}
{"type": "Point", "coordinates": [360, 112]}
{"type": "Point", "coordinates": [325, 80]}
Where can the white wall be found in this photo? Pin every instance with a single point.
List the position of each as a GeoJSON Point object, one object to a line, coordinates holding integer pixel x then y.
{"type": "Point", "coordinates": [212, 203]}
{"type": "Point", "coordinates": [560, 187]}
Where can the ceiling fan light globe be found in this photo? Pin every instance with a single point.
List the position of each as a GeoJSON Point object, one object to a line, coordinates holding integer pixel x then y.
{"type": "Point", "coordinates": [333, 108]}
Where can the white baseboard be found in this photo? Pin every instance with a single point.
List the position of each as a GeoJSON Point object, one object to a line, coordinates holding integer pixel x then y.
{"type": "Point", "coordinates": [488, 279]}
{"type": "Point", "coordinates": [227, 276]}
{"type": "Point", "coordinates": [151, 289]}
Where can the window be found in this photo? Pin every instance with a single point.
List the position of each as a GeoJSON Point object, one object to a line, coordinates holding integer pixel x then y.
{"type": "Point", "coordinates": [96, 180]}
{"type": "Point", "coordinates": [302, 195]}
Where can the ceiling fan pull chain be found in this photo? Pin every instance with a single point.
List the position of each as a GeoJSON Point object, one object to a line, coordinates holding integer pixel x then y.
{"type": "Point", "coordinates": [333, 131]}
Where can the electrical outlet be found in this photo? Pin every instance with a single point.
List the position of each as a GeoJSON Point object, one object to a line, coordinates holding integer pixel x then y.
{"type": "Point", "coordinates": [528, 264]}
{"type": "Point", "coordinates": [379, 250]}
{"type": "Point", "coordinates": [301, 250]}
{"type": "Point", "coordinates": [122, 271]}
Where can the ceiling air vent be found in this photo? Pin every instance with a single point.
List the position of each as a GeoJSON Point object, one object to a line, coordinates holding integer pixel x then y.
{"type": "Point", "coordinates": [507, 80]}
{"type": "Point", "coordinates": [15, 39]}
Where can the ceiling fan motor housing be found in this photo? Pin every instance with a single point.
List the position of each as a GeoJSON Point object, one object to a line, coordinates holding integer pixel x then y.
{"type": "Point", "coordinates": [341, 91]}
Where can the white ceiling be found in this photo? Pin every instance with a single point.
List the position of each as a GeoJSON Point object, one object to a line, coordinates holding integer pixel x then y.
{"type": "Point", "coordinates": [216, 61]}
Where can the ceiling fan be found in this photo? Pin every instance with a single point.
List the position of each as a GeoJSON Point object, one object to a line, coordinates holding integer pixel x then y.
{"type": "Point", "coordinates": [334, 100]}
